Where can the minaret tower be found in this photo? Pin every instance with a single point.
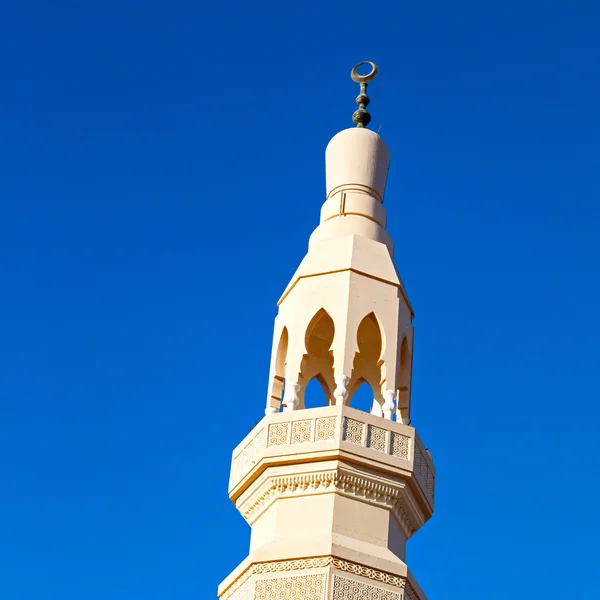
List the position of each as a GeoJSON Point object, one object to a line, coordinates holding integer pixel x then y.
{"type": "Point", "coordinates": [332, 494]}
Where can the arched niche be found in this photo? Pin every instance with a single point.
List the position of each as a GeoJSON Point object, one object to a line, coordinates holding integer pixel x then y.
{"type": "Point", "coordinates": [404, 381]}
{"type": "Point", "coordinates": [278, 379]}
{"type": "Point", "coordinates": [317, 362]}
{"type": "Point", "coordinates": [367, 364]}
{"type": "Point", "coordinates": [319, 335]}
{"type": "Point", "coordinates": [362, 397]}
{"type": "Point", "coordinates": [316, 393]}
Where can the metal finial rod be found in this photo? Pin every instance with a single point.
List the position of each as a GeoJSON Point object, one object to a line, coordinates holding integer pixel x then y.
{"type": "Point", "coordinates": [361, 117]}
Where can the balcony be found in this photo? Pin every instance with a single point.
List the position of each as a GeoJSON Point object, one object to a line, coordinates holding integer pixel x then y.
{"type": "Point", "coordinates": [334, 432]}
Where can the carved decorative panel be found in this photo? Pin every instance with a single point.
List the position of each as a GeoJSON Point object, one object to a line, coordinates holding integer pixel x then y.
{"type": "Point", "coordinates": [400, 445]}
{"type": "Point", "coordinates": [325, 429]}
{"type": "Point", "coordinates": [376, 438]}
{"type": "Point", "coordinates": [301, 431]}
{"type": "Point", "coordinates": [423, 472]}
{"type": "Point", "coordinates": [278, 434]}
{"type": "Point", "coordinates": [301, 587]}
{"type": "Point", "coordinates": [353, 431]}
{"type": "Point", "coordinates": [351, 589]}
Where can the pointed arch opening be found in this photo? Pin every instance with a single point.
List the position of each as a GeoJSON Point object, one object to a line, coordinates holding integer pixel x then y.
{"type": "Point", "coordinates": [319, 334]}
{"type": "Point", "coordinates": [367, 367]}
{"type": "Point", "coordinates": [282, 352]}
{"type": "Point", "coordinates": [316, 393]}
{"type": "Point", "coordinates": [362, 397]}
{"type": "Point", "coordinates": [369, 338]}
{"type": "Point", "coordinates": [317, 363]}
{"type": "Point", "coordinates": [277, 382]}
{"type": "Point", "coordinates": [404, 382]}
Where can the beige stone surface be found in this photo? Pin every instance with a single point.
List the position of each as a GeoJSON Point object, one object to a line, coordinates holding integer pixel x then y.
{"type": "Point", "coordinates": [333, 494]}
{"type": "Point", "coordinates": [345, 318]}
{"type": "Point", "coordinates": [356, 159]}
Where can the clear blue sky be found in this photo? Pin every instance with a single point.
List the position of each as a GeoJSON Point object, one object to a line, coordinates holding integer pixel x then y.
{"type": "Point", "coordinates": [147, 150]}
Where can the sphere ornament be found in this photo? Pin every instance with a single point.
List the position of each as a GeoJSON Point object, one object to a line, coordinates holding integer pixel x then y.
{"type": "Point", "coordinates": [361, 117]}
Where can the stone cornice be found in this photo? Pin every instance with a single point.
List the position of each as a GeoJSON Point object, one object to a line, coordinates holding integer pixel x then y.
{"type": "Point", "coordinates": [355, 484]}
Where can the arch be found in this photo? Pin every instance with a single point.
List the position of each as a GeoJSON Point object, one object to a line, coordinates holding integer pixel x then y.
{"type": "Point", "coordinates": [369, 337]}
{"type": "Point", "coordinates": [367, 364]}
{"type": "Point", "coordinates": [362, 397]}
{"type": "Point", "coordinates": [316, 393]}
{"type": "Point", "coordinates": [319, 334]}
{"type": "Point", "coordinates": [278, 377]}
{"type": "Point", "coordinates": [404, 382]}
{"type": "Point", "coordinates": [404, 378]}
{"type": "Point", "coordinates": [281, 353]}
{"type": "Point", "coordinates": [317, 362]}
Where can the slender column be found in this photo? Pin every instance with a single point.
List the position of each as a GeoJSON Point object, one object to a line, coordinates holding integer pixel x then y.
{"type": "Point", "coordinates": [389, 406]}
{"type": "Point", "coordinates": [290, 398]}
{"type": "Point", "coordinates": [341, 390]}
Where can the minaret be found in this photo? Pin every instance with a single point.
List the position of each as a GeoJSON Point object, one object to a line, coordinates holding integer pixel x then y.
{"type": "Point", "coordinates": [332, 494]}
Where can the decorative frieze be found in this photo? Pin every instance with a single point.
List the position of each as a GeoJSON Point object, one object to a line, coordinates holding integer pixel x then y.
{"type": "Point", "coordinates": [362, 571]}
{"type": "Point", "coordinates": [313, 583]}
{"type": "Point", "coordinates": [336, 480]}
{"type": "Point", "coordinates": [345, 588]}
{"type": "Point", "coordinates": [281, 566]}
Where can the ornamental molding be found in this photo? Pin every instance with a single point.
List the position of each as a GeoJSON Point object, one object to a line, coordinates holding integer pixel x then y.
{"type": "Point", "coordinates": [320, 562]}
{"type": "Point", "coordinates": [374, 574]}
{"type": "Point", "coordinates": [354, 485]}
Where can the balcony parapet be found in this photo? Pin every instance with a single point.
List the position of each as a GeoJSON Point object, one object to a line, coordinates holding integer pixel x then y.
{"type": "Point", "coordinates": [333, 432]}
